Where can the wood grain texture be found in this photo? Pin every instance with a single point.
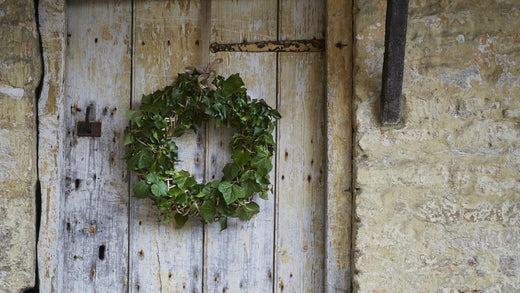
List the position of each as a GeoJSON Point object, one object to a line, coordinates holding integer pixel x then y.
{"type": "Point", "coordinates": [162, 257]}
{"type": "Point", "coordinates": [240, 259]}
{"type": "Point", "coordinates": [301, 165]}
{"type": "Point", "coordinates": [94, 209]}
{"type": "Point", "coordinates": [295, 244]}
{"type": "Point", "coordinates": [51, 141]}
{"type": "Point", "coordinates": [339, 145]}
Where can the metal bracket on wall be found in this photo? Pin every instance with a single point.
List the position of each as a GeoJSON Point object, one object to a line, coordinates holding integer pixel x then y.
{"type": "Point", "coordinates": [271, 46]}
{"type": "Point", "coordinates": [88, 128]}
{"type": "Point", "coordinates": [393, 64]}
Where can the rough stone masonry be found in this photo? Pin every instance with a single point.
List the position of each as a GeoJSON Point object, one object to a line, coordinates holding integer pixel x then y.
{"type": "Point", "coordinates": [438, 198]}
{"type": "Point", "coordinates": [20, 71]}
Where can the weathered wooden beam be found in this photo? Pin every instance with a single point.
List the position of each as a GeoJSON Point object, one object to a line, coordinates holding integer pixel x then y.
{"type": "Point", "coordinates": [393, 64]}
{"type": "Point", "coordinates": [271, 46]}
{"type": "Point", "coordinates": [339, 201]}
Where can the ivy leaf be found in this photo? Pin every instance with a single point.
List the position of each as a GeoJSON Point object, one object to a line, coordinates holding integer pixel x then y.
{"type": "Point", "coordinates": [131, 115]}
{"type": "Point", "coordinates": [183, 180]}
{"type": "Point", "coordinates": [159, 189]}
{"type": "Point", "coordinates": [262, 180]}
{"type": "Point", "coordinates": [210, 187]}
{"type": "Point", "coordinates": [180, 130]}
{"type": "Point", "coordinates": [246, 212]}
{"type": "Point", "coordinates": [145, 159]}
{"type": "Point", "coordinates": [258, 131]}
{"type": "Point", "coordinates": [181, 199]}
{"type": "Point", "coordinates": [249, 174]}
{"type": "Point", "coordinates": [232, 85]}
{"type": "Point", "coordinates": [241, 157]}
{"type": "Point", "coordinates": [153, 178]}
{"type": "Point", "coordinates": [208, 211]}
{"type": "Point", "coordinates": [129, 138]}
{"type": "Point", "coordinates": [262, 161]}
{"type": "Point", "coordinates": [223, 223]}
{"type": "Point", "coordinates": [174, 192]}
{"type": "Point", "coordinates": [238, 191]}
{"type": "Point", "coordinates": [231, 192]}
{"type": "Point", "coordinates": [264, 195]}
{"type": "Point", "coordinates": [250, 188]}
{"type": "Point", "coordinates": [226, 189]}
{"type": "Point", "coordinates": [141, 189]}
{"type": "Point", "coordinates": [231, 171]}
{"type": "Point", "coordinates": [166, 216]}
{"type": "Point", "coordinates": [225, 210]}
{"type": "Point", "coordinates": [275, 114]}
{"type": "Point", "coordinates": [151, 106]}
{"type": "Point", "coordinates": [180, 220]}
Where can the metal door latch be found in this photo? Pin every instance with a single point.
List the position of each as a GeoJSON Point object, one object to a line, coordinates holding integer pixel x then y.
{"type": "Point", "coordinates": [88, 128]}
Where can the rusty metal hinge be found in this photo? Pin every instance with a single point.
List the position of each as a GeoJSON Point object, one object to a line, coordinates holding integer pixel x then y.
{"type": "Point", "coordinates": [313, 45]}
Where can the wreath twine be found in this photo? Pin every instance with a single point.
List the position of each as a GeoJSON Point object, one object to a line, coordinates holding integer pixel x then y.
{"type": "Point", "coordinates": [195, 97]}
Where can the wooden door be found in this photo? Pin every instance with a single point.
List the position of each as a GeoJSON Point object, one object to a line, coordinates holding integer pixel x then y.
{"type": "Point", "coordinates": [109, 241]}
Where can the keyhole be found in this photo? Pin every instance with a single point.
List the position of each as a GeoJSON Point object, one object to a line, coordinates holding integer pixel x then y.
{"type": "Point", "coordinates": [101, 253]}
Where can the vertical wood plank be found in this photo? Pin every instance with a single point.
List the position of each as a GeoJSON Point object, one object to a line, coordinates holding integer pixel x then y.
{"type": "Point", "coordinates": [240, 259]}
{"type": "Point", "coordinates": [339, 145]}
{"type": "Point", "coordinates": [51, 143]}
{"type": "Point", "coordinates": [301, 165]}
{"type": "Point", "coordinates": [162, 257]}
{"type": "Point", "coordinates": [94, 212]}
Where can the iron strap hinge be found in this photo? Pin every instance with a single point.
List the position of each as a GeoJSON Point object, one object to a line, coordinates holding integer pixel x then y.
{"type": "Point", "coordinates": [313, 45]}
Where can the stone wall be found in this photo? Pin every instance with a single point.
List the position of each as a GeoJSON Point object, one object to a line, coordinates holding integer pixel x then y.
{"type": "Point", "coordinates": [20, 70]}
{"type": "Point", "coordinates": [438, 198]}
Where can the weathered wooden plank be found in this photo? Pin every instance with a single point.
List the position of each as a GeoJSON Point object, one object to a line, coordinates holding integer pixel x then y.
{"type": "Point", "coordinates": [301, 165]}
{"type": "Point", "coordinates": [94, 209]}
{"type": "Point", "coordinates": [162, 257]}
{"type": "Point", "coordinates": [339, 142]}
{"type": "Point", "coordinates": [51, 113]}
{"type": "Point", "coordinates": [240, 259]}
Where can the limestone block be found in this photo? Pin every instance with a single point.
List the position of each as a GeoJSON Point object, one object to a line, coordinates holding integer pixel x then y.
{"type": "Point", "coordinates": [437, 199]}
{"type": "Point", "coordinates": [20, 70]}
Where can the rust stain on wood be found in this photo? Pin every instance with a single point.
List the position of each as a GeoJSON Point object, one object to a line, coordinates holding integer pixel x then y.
{"type": "Point", "coordinates": [90, 229]}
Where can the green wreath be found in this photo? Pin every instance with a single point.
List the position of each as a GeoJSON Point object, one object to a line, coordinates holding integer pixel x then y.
{"type": "Point", "coordinates": [195, 97]}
